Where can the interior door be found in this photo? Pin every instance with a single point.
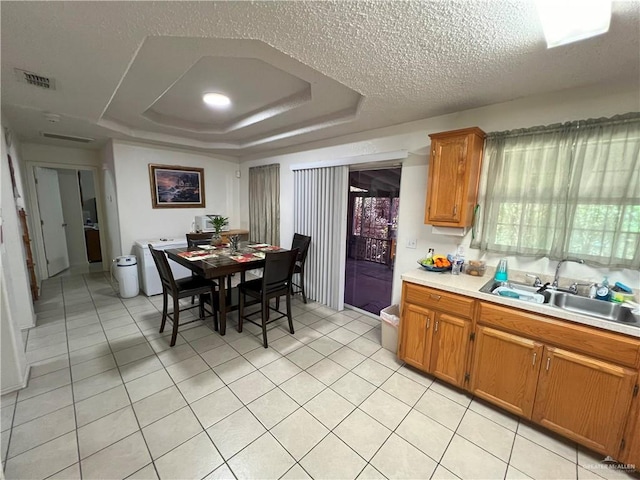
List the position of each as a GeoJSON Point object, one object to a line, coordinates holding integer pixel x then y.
{"type": "Point", "coordinates": [52, 220]}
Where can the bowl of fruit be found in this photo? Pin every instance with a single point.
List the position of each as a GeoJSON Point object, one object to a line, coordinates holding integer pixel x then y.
{"type": "Point", "coordinates": [435, 263]}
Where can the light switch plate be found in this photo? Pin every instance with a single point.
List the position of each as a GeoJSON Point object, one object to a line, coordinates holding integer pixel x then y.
{"type": "Point", "coordinates": [412, 243]}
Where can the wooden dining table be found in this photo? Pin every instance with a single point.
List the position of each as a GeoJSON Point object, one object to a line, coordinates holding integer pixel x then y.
{"type": "Point", "coordinates": [219, 263]}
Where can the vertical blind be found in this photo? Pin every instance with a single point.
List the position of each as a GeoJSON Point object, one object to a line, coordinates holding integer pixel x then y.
{"type": "Point", "coordinates": [320, 211]}
{"type": "Point", "coordinates": [264, 204]}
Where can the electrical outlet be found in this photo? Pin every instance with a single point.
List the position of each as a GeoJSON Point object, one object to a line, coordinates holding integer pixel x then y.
{"type": "Point", "coordinates": [412, 243]}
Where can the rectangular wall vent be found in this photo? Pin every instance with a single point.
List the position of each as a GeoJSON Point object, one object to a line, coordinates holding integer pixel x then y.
{"type": "Point", "coordinates": [71, 138]}
{"type": "Point", "coordinates": [35, 79]}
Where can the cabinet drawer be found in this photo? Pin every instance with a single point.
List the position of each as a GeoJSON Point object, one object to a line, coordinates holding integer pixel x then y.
{"type": "Point", "coordinates": [438, 300]}
{"type": "Point", "coordinates": [588, 340]}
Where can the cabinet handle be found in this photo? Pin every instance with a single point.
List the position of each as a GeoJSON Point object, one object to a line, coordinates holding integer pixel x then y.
{"type": "Point", "coordinates": [435, 297]}
{"type": "Point", "coordinates": [548, 363]}
{"type": "Point", "coordinates": [455, 209]}
{"type": "Point", "coordinates": [436, 329]}
{"type": "Point", "coordinates": [428, 322]}
{"type": "Point", "coordinates": [534, 358]}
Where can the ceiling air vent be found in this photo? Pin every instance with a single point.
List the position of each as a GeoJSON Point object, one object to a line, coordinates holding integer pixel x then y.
{"type": "Point", "coordinates": [70, 138]}
{"type": "Point", "coordinates": [35, 79]}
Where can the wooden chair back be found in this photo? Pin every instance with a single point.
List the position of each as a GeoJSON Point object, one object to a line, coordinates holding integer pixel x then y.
{"type": "Point", "coordinates": [278, 270]}
{"type": "Point", "coordinates": [301, 242]}
{"type": "Point", "coordinates": [195, 239]}
{"type": "Point", "coordinates": [164, 270]}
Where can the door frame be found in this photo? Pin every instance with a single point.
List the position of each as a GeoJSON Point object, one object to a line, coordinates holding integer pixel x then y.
{"type": "Point", "coordinates": [33, 214]}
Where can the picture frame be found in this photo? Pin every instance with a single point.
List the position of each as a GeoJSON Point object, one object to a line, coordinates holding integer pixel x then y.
{"type": "Point", "coordinates": [174, 186]}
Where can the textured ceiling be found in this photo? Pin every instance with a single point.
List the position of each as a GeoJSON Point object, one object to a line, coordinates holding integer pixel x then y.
{"type": "Point", "coordinates": [301, 71]}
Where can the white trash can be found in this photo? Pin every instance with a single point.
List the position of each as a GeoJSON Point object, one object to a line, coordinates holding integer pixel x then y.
{"type": "Point", "coordinates": [127, 275]}
{"type": "Point", "coordinates": [390, 317]}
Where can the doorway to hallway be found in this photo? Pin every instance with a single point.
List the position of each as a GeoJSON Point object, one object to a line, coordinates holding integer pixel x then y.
{"type": "Point", "coordinates": [68, 216]}
{"type": "Point", "coordinates": [372, 222]}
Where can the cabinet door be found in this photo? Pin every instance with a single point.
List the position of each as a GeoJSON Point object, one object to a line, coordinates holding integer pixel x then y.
{"type": "Point", "coordinates": [446, 179]}
{"type": "Point", "coordinates": [449, 348]}
{"type": "Point", "coordinates": [505, 369]}
{"type": "Point", "coordinates": [630, 454]}
{"type": "Point", "coordinates": [416, 327]}
{"type": "Point", "coordinates": [584, 399]}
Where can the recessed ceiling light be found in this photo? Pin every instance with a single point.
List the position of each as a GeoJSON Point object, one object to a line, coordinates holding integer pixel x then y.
{"type": "Point", "coordinates": [216, 100]}
{"type": "Point", "coordinates": [567, 21]}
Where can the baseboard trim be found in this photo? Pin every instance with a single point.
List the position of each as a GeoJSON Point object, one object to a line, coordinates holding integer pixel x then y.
{"type": "Point", "coordinates": [359, 310]}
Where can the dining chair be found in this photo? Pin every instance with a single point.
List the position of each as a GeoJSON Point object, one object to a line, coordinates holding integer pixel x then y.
{"type": "Point", "coordinates": [301, 242]}
{"type": "Point", "coordinates": [275, 282]}
{"type": "Point", "coordinates": [195, 239]}
{"type": "Point", "coordinates": [203, 238]}
{"type": "Point", "coordinates": [181, 288]}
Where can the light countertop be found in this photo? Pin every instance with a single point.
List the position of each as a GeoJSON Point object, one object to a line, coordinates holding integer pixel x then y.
{"type": "Point", "coordinates": [469, 286]}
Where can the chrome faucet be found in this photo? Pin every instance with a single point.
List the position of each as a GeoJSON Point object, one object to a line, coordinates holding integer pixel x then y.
{"type": "Point", "coordinates": [536, 280]}
{"type": "Point", "coordinates": [554, 284]}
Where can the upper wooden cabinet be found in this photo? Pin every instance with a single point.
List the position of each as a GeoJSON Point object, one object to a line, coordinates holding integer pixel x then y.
{"type": "Point", "coordinates": [454, 172]}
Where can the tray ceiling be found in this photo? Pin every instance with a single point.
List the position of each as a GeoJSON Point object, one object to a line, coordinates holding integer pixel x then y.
{"type": "Point", "coordinates": [297, 72]}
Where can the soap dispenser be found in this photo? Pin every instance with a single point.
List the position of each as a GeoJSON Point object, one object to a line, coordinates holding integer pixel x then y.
{"type": "Point", "coordinates": [502, 274]}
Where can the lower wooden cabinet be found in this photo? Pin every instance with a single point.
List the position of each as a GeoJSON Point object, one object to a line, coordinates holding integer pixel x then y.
{"type": "Point", "coordinates": [435, 342]}
{"type": "Point", "coordinates": [578, 381]}
{"type": "Point", "coordinates": [579, 397]}
{"type": "Point", "coordinates": [415, 340]}
{"type": "Point", "coordinates": [584, 399]}
{"type": "Point", "coordinates": [631, 449]}
{"type": "Point", "coordinates": [505, 369]}
{"type": "Point", "coordinates": [449, 348]}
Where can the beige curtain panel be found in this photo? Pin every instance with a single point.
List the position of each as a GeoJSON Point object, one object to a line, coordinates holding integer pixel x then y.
{"type": "Point", "coordinates": [570, 190]}
{"type": "Point", "coordinates": [264, 204]}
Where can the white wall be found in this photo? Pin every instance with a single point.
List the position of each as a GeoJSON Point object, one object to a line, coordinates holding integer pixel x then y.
{"type": "Point", "coordinates": [14, 371]}
{"type": "Point", "coordinates": [71, 157]}
{"type": "Point", "coordinates": [72, 211]}
{"type": "Point", "coordinates": [14, 264]}
{"type": "Point", "coordinates": [598, 101]}
{"type": "Point", "coordinates": [138, 220]}
{"type": "Point", "coordinates": [16, 308]}
{"type": "Point", "coordinates": [109, 219]}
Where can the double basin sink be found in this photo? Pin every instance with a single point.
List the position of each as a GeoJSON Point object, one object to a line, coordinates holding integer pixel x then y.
{"type": "Point", "coordinates": [613, 312]}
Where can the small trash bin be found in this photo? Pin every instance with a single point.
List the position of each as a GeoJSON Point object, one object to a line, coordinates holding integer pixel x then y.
{"type": "Point", "coordinates": [127, 275]}
{"type": "Point", "coordinates": [390, 317]}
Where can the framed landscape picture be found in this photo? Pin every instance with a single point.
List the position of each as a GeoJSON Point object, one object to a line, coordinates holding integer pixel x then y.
{"type": "Point", "coordinates": [176, 187]}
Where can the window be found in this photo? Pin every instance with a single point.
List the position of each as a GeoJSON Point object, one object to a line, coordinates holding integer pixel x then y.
{"type": "Point", "coordinates": [569, 190]}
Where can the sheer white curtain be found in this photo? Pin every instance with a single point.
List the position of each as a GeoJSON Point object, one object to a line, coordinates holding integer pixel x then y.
{"type": "Point", "coordinates": [320, 211]}
{"type": "Point", "coordinates": [570, 190]}
{"type": "Point", "coordinates": [264, 204]}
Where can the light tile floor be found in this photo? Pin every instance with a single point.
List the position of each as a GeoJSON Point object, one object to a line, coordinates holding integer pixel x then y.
{"type": "Point", "coordinates": [108, 398]}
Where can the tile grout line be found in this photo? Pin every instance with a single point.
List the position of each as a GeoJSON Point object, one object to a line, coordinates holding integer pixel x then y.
{"type": "Point", "coordinates": [75, 420]}
{"type": "Point", "coordinates": [279, 386]}
{"type": "Point", "coordinates": [73, 398]}
{"type": "Point", "coordinates": [128, 396]}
